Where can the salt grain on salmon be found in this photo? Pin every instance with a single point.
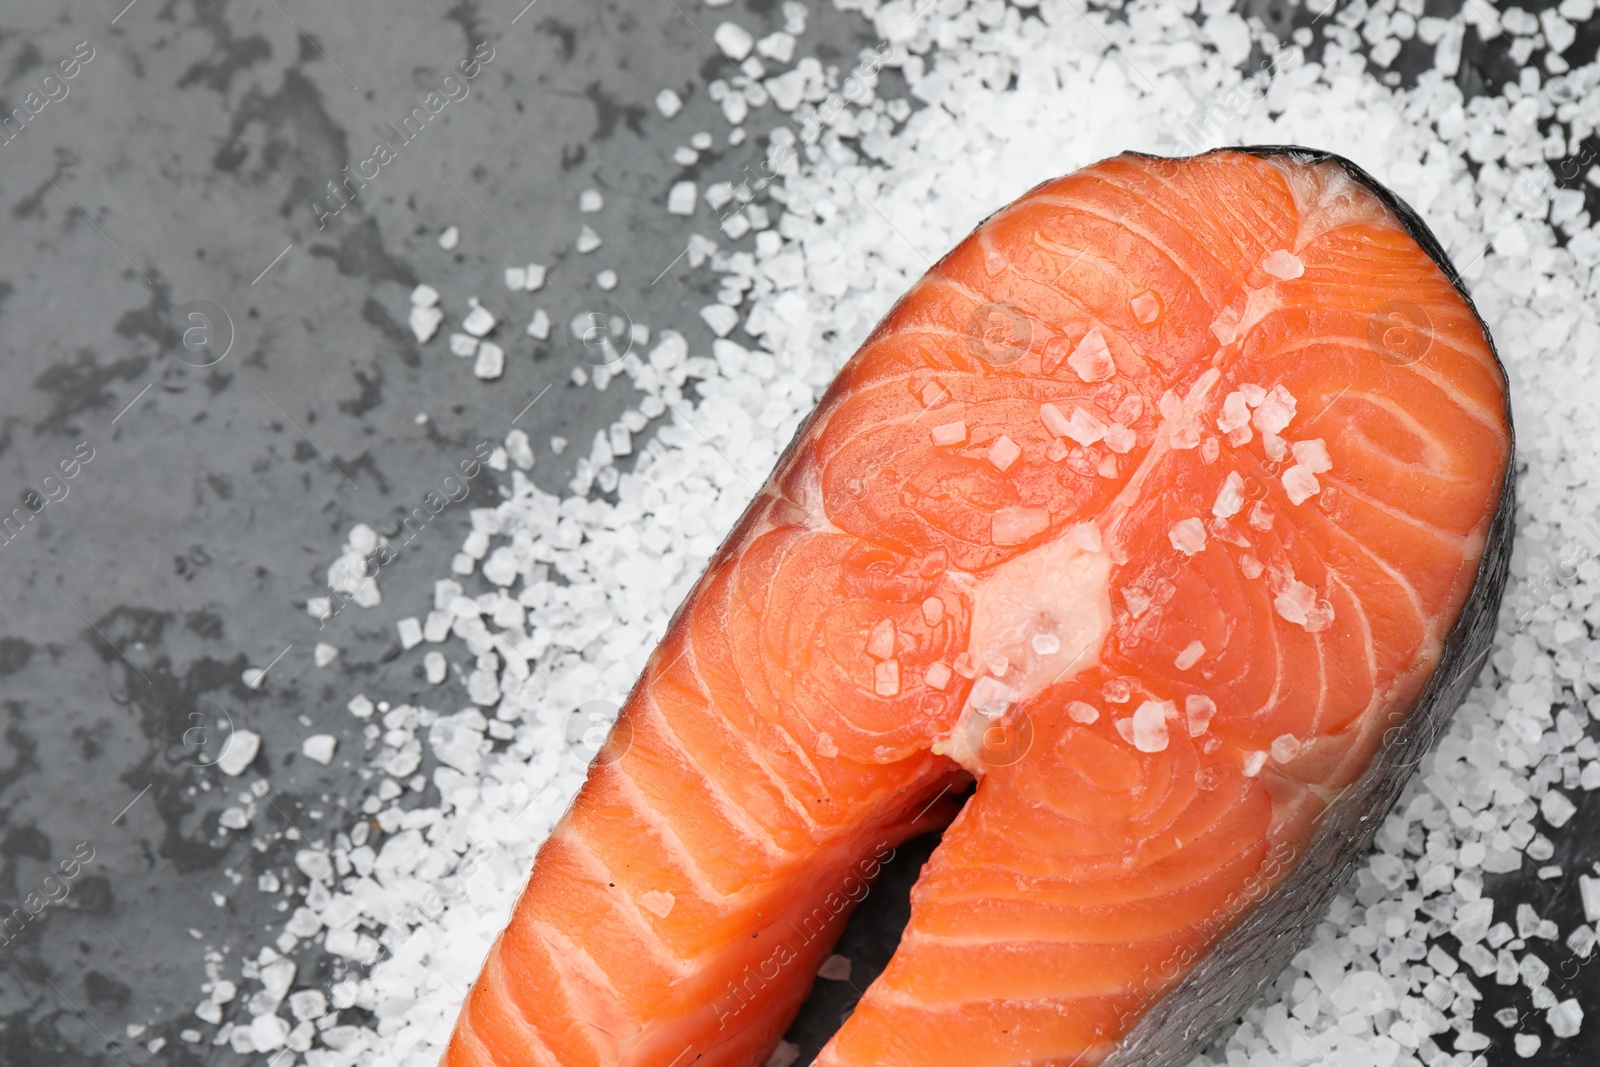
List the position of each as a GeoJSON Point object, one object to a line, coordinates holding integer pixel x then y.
{"type": "Point", "coordinates": [1120, 439]}
{"type": "Point", "coordinates": [937, 676]}
{"type": "Point", "coordinates": [1275, 412]}
{"type": "Point", "coordinates": [1230, 498]}
{"type": "Point", "coordinates": [880, 645]}
{"type": "Point", "coordinates": [1084, 428]}
{"type": "Point", "coordinates": [1299, 484]}
{"type": "Point", "coordinates": [1081, 712]}
{"type": "Point", "coordinates": [1091, 359]}
{"type": "Point", "coordinates": [1146, 308]}
{"type": "Point", "coordinates": [1235, 413]}
{"type": "Point", "coordinates": [1148, 726]}
{"type": "Point", "coordinates": [1003, 453]}
{"type": "Point", "coordinates": [1188, 536]}
{"type": "Point", "coordinates": [1190, 655]}
{"type": "Point", "coordinates": [1312, 455]}
{"type": "Point", "coordinates": [1198, 710]}
{"type": "Point", "coordinates": [1285, 747]}
{"type": "Point", "coordinates": [951, 433]}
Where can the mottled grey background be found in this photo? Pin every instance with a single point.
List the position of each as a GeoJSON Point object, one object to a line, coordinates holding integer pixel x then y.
{"type": "Point", "coordinates": [184, 160]}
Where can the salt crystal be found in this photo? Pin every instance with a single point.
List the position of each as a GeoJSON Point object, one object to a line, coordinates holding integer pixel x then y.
{"type": "Point", "coordinates": [681, 198]}
{"type": "Point", "coordinates": [478, 321]}
{"type": "Point", "coordinates": [720, 317]}
{"type": "Point", "coordinates": [1565, 1019]}
{"type": "Point", "coordinates": [734, 40]}
{"type": "Point", "coordinates": [1150, 726]}
{"type": "Point", "coordinates": [1526, 1045]}
{"type": "Point", "coordinates": [1285, 747]}
{"type": "Point", "coordinates": [319, 748]}
{"type": "Point", "coordinates": [1235, 413]}
{"type": "Point", "coordinates": [424, 323]}
{"type": "Point", "coordinates": [951, 433]}
{"type": "Point", "coordinates": [1187, 536]}
{"type": "Point", "coordinates": [937, 676]}
{"type": "Point", "coordinates": [668, 103]}
{"type": "Point", "coordinates": [491, 362]}
{"type": "Point", "coordinates": [786, 1054]}
{"type": "Point", "coordinates": [360, 706]}
{"type": "Point", "coordinates": [1086, 535]}
{"type": "Point", "coordinates": [1589, 891]}
{"type": "Point", "coordinates": [1146, 308]}
{"type": "Point", "coordinates": [1190, 655]}
{"type": "Point", "coordinates": [410, 630]}
{"type": "Point", "coordinates": [932, 610]}
{"type": "Point", "coordinates": [1250, 567]}
{"type": "Point", "coordinates": [991, 697]}
{"type": "Point", "coordinates": [324, 654]}
{"type": "Point", "coordinates": [1312, 455]}
{"type": "Point", "coordinates": [1119, 438]}
{"type": "Point", "coordinates": [1283, 264]}
{"type": "Point", "coordinates": [239, 752]}
{"type": "Point", "coordinates": [1230, 498]}
{"type": "Point", "coordinates": [1253, 762]}
{"type": "Point", "coordinates": [591, 201]}
{"type": "Point", "coordinates": [1198, 711]}
{"type": "Point", "coordinates": [450, 238]}
{"type": "Point", "coordinates": [1091, 359]}
{"type": "Point", "coordinates": [1084, 428]}
{"type": "Point", "coordinates": [424, 295]}
{"type": "Point", "coordinates": [1557, 809]}
{"type": "Point", "coordinates": [515, 277]}
{"type": "Point", "coordinates": [880, 643]}
{"type": "Point", "coordinates": [1045, 644]}
{"type": "Point", "coordinates": [463, 344]}
{"type": "Point", "coordinates": [1078, 711]}
{"type": "Point", "coordinates": [1276, 411]}
{"type": "Point", "coordinates": [1004, 452]}
{"type": "Point", "coordinates": [1300, 484]}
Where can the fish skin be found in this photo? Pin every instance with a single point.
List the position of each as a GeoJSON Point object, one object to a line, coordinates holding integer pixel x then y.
{"type": "Point", "coordinates": [1182, 1009]}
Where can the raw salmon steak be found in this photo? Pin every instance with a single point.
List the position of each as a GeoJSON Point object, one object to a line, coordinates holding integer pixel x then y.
{"type": "Point", "coordinates": [1173, 508]}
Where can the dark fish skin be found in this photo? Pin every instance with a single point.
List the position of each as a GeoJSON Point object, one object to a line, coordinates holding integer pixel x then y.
{"type": "Point", "coordinates": [1250, 956]}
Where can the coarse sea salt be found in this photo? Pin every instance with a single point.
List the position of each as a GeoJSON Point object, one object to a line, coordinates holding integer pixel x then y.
{"type": "Point", "coordinates": [942, 162]}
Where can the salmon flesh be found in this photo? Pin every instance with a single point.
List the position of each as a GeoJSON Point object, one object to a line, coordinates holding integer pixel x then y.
{"type": "Point", "coordinates": [1173, 508]}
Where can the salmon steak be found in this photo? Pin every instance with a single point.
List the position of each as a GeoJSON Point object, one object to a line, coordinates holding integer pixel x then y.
{"type": "Point", "coordinates": [1144, 548]}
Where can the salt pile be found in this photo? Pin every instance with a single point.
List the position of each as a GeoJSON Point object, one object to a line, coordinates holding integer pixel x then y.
{"type": "Point", "coordinates": [868, 190]}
